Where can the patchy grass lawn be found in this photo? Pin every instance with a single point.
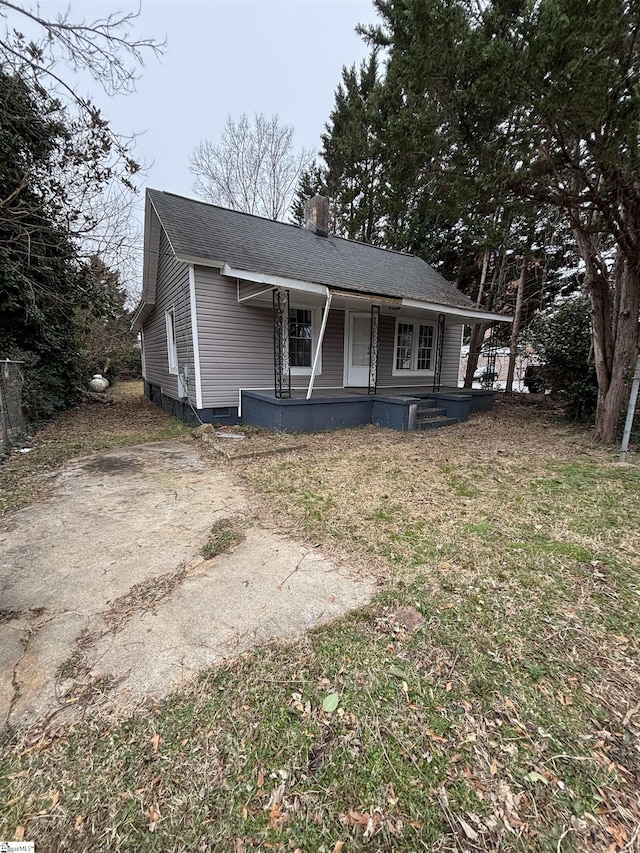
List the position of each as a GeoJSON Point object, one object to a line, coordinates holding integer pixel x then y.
{"type": "Point", "coordinates": [126, 417]}
{"type": "Point", "coordinates": [488, 699]}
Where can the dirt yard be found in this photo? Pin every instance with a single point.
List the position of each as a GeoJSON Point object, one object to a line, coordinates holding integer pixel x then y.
{"type": "Point", "coordinates": [485, 699]}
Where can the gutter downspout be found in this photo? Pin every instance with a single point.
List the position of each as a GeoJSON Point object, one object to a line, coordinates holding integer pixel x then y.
{"type": "Point", "coordinates": [325, 317]}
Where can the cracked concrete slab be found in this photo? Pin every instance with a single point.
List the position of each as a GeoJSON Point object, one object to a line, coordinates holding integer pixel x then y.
{"type": "Point", "coordinates": [267, 587]}
{"type": "Point", "coordinates": [122, 522]}
{"type": "Point", "coordinates": [40, 686]}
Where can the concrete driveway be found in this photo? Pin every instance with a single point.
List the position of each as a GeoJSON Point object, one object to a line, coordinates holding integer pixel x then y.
{"type": "Point", "coordinates": [104, 597]}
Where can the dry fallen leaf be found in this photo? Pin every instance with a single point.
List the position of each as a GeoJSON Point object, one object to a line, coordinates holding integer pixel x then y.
{"type": "Point", "coordinates": [276, 796]}
{"type": "Point", "coordinates": [78, 822]}
{"type": "Point", "coordinates": [471, 834]}
{"type": "Point", "coordinates": [18, 835]}
{"type": "Point", "coordinates": [431, 734]}
{"type": "Point", "coordinates": [260, 778]}
{"type": "Point", "coordinates": [155, 740]}
{"type": "Point", "coordinates": [154, 818]}
{"type": "Point", "coordinates": [337, 848]}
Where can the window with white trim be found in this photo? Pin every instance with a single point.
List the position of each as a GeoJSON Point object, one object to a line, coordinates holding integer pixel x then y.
{"type": "Point", "coordinates": [413, 351]}
{"type": "Point", "coordinates": [300, 337]}
{"type": "Point", "coordinates": [303, 338]}
{"type": "Point", "coordinates": [172, 348]}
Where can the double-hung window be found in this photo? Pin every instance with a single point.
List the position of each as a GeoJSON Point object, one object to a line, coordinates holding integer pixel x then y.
{"type": "Point", "coordinates": [172, 348]}
{"type": "Point", "coordinates": [413, 352]}
{"type": "Point", "coordinates": [302, 338]}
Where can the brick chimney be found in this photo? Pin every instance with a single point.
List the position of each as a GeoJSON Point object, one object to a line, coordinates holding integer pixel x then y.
{"type": "Point", "coordinates": [316, 215]}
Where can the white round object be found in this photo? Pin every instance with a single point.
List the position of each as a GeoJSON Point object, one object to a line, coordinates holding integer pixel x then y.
{"type": "Point", "coordinates": [99, 383]}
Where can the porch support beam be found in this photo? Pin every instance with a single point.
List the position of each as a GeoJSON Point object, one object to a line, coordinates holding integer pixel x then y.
{"type": "Point", "coordinates": [281, 363]}
{"type": "Point", "coordinates": [316, 357]}
{"type": "Point", "coordinates": [492, 351]}
{"type": "Point", "coordinates": [437, 371]}
{"type": "Point", "coordinates": [373, 349]}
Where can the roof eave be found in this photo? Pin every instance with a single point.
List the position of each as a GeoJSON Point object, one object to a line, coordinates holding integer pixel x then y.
{"type": "Point", "coordinates": [274, 280]}
{"type": "Point", "coordinates": [140, 315]}
{"type": "Point", "coordinates": [471, 314]}
{"type": "Point", "coordinates": [201, 262]}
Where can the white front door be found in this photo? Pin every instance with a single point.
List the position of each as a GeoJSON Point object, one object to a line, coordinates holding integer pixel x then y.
{"type": "Point", "coordinates": [358, 344]}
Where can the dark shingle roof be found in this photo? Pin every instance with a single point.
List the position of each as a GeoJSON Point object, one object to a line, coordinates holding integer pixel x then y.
{"type": "Point", "coordinates": [207, 232]}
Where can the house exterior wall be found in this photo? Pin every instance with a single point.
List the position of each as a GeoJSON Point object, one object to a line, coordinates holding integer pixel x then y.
{"type": "Point", "coordinates": [235, 340]}
{"type": "Point", "coordinates": [172, 291]}
{"type": "Point", "coordinates": [236, 344]}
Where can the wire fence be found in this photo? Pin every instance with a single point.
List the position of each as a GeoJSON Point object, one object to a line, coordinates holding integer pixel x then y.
{"type": "Point", "coordinates": [12, 422]}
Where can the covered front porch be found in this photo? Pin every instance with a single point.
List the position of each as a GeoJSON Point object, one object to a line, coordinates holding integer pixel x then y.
{"type": "Point", "coordinates": [401, 409]}
{"type": "Point", "coordinates": [344, 359]}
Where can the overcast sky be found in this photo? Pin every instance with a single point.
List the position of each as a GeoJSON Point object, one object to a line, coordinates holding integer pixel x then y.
{"type": "Point", "coordinates": [226, 57]}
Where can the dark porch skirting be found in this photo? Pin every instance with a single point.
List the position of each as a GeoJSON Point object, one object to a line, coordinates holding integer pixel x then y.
{"type": "Point", "coordinates": [411, 409]}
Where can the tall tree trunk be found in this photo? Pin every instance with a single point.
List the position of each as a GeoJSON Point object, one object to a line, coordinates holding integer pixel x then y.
{"type": "Point", "coordinates": [624, 350]}
{"type": "Point", "coordinates": [478, 330]}
{"type": "Point", "coordinates": [515, 328]}
{"type": "Point", "coordinates": [614, 321]}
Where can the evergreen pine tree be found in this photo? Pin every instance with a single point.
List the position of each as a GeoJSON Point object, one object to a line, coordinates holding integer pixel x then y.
{"type": "Point", "coordinates": [351, 150]}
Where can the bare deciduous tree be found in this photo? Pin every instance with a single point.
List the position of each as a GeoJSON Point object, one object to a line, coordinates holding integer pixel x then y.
{"type": "Point", "coordinates": [255, 168]}
{"type": "Point", "coordinates": [102, 46]}
{"type": "Point", "coordinates": [91, 189]}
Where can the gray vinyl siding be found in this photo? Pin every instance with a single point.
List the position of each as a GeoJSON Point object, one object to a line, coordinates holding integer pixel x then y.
{"type": "Point", "coordinates": [450, 353]}
{"type": "Point", "coordinates": [172, 291]}
{"type": "Point", "coordinates": [332, 352]}
{"type": "Point", "coordinates": [235, 340]}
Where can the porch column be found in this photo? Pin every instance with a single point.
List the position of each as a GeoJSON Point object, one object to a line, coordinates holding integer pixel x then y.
{"type": "Point", "coordinates": [281, 365]}
{"type": "Point", "coordinates": [373, 349]}
{"type": "Point", "coordinates": [314, 368]}
{"type": "Point", "coordinates": [492, 351]}
{"type": "Point", "coordinates": [437, 368]}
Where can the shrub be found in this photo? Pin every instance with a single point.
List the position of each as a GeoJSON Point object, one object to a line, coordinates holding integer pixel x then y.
{"type": "Point", "coordinates": [563, 339]}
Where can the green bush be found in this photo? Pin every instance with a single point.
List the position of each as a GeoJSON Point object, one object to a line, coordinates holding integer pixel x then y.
{"type": "Point", "coordinates": [563, 340]}
{"type": "Point", "coordinates": [52, 383]}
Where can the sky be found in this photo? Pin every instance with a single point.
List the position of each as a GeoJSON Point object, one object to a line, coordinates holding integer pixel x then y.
{"type": "Point", "coordinates": [227, 57]}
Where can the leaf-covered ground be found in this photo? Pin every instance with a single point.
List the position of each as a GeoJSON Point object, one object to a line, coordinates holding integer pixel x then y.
{"type": "Point", "coordinates": [488, 699]}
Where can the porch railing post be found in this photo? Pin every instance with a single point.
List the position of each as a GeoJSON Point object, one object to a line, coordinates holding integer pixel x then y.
{"type": "Point", "coordinates": [373, 349]}
{"type": "Point", "coordinates": [281, 364]}
{"type": "Point", "coordinates": [437, 369]}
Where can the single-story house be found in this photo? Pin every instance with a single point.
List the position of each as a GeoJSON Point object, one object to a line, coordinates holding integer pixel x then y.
{"type": "Point", "coordinates": [246, 320]}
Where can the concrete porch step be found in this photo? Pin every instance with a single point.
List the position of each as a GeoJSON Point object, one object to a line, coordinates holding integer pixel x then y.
{"type": "Point", "coordinates": [430, 413]}
{"type": "Point", "coordinates": [436, 423]}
